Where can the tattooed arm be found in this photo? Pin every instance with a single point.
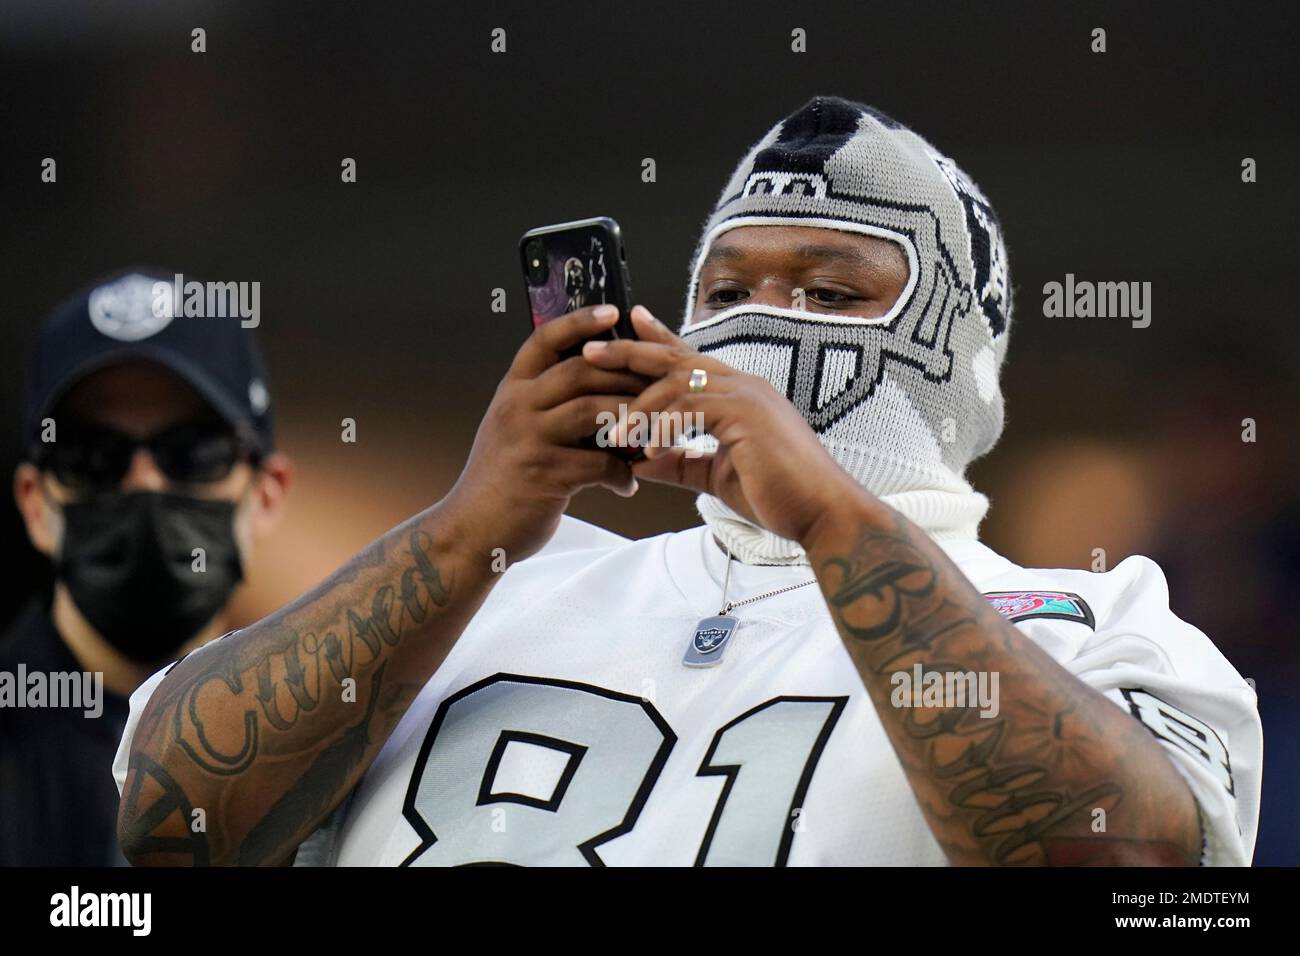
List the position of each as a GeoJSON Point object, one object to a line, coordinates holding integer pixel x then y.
{"type": "Point", "coordinates": [1017, 786]}
{"type": "Point", "coordinates": [266, 730]}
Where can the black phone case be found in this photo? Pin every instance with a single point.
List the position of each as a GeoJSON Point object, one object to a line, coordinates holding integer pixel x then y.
{"type": "Point", "coordinates": [585, 264]}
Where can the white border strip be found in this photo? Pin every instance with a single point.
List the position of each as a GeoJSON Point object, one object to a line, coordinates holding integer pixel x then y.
{"type": "Point", "coordinates": [838, 224]}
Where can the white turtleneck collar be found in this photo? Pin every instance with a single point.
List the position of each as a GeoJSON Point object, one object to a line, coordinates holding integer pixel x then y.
{"type": "Point", "coordinates": [944, 515]}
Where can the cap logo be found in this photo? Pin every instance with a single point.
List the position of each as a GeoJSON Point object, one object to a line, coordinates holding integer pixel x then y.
{"type": "Point", "coordinates": [124, 309]}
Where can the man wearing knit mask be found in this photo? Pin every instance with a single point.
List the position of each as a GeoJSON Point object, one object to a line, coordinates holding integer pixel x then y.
{"type": "Point", "coordinates": [832, 670]}
{"type": "Point", "coordinates": [894, 365]}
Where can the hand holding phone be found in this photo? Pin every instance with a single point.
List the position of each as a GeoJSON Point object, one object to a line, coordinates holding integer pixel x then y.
{"type": "Point", "coordinates": [573, 265]}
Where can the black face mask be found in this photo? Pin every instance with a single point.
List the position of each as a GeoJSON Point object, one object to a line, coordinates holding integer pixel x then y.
{"type": "Point", "coordinates": [128, 563]}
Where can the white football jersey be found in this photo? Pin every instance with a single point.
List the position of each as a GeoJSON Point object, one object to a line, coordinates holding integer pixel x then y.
{"type": "Point", "coordinates": [564, 729]}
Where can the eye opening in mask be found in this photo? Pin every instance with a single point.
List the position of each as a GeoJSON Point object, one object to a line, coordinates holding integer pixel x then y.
{"type": "Point", "coordinates": [900, 239]}
{"type": "Point", "coordinates": [91, 458]}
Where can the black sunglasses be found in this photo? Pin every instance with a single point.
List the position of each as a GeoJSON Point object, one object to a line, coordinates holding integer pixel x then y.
{"type": "Point", "coordinates": [93, 458]}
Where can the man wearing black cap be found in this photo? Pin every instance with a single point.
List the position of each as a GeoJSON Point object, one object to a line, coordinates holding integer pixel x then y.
{"type": "Point", "coordinates": [149, 474]}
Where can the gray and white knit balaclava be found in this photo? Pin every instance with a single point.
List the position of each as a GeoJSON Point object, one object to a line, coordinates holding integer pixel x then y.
{"type": "Point", "coordinates": [903, 402]}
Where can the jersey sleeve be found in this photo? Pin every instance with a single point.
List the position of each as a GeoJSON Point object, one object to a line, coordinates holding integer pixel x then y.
{"type": "Point", "coordinates": [139, 699]}
{"type": "Point", "coordinates": [1172, 678]}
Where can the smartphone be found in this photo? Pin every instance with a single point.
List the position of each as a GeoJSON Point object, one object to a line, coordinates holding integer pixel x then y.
{"type": "Point", "coordinates": [572, 265]}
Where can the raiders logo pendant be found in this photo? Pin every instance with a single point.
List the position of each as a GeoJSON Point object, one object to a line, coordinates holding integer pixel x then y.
{"type": "Point", "coordinates": [709, 642]}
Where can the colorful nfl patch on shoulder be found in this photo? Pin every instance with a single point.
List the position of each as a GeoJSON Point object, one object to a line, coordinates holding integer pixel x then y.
{"type": "Point", "coordinates": [1060, 605]}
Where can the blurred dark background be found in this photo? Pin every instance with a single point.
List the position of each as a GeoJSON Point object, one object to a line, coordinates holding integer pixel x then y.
{"type": "Point", "coordinates": [376, 296]}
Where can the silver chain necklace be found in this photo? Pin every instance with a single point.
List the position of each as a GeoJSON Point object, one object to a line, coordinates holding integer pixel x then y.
{"type": "Point", "coordinates": [714, 633]}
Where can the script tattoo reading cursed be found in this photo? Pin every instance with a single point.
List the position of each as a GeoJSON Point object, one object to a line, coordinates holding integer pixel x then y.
{"type": "Point", "coordinates": [283, 673]}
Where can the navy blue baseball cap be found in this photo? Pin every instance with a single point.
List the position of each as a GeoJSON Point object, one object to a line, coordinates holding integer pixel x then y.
{"type": "Point", "coordinates": [123, 317]}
